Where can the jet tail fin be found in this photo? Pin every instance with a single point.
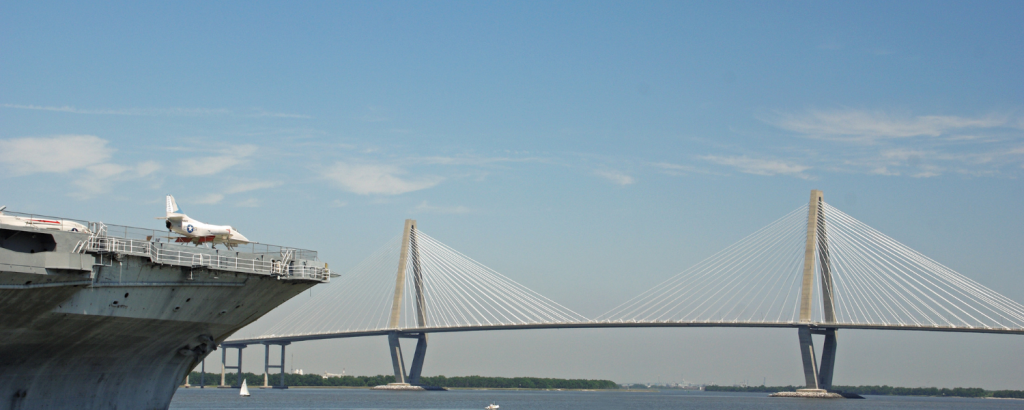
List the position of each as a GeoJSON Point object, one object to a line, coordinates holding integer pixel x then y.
{"type": "Point", "coordinates": [172, 207]}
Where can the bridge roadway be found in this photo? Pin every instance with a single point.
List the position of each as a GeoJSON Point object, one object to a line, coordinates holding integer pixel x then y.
{"type": "Point", "coordinates": [596, 324]}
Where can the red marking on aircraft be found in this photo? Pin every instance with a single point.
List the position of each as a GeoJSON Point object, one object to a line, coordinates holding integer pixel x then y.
{"type": "Point", "coordinates": [43, 220]}
{"type": "Point", "coordinates": [198, 240]}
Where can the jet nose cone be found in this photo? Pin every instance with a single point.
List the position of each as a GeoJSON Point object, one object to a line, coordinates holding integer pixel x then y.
{"type": "Point", "coordinates": [235, 236]}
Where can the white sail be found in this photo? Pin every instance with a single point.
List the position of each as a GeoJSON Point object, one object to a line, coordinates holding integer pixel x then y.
{"type": "Point", "coordinates": [245, 390]}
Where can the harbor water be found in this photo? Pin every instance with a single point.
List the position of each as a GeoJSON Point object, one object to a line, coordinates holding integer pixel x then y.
{"type": "Point", "coordinates": [299, 398]}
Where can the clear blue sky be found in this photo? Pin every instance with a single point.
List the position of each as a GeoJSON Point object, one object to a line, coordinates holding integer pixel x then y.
{"type": "Point", "coordinates": [588, 150]}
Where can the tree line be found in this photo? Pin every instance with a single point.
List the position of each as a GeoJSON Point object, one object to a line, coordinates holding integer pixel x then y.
{"type": "Point", "coordinates": [517, 382]}
{"type": "Point", "coordinates": [315, 380]}
{"type": "Point", "coordinates": [292, 379]}
{"type": "Point", "coordinates": [884, 391]}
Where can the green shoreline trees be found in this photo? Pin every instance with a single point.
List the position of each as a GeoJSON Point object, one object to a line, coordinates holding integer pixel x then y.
{"type": "Point", "coordinates": [315, 380]}
{"type": "Point", "coordinates": [884, 391]}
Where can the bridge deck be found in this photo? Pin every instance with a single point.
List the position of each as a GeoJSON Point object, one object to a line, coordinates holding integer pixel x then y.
{"type": "Point", "coordinates": [595, 325]}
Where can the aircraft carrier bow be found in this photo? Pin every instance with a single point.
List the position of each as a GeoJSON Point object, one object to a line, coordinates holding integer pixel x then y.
{"type": "Point", "coordinates": [96, 316]}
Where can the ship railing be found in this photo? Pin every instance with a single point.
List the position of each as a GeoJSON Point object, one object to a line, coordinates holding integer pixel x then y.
{"type": "Point", "coordinates": [122, 246]}
{"type": "Point", "coordinates": [220, 262]}
{"type": "Point", "coordinates": [307, 272]}
{"type": "Point", "coordinates": [197, 259]}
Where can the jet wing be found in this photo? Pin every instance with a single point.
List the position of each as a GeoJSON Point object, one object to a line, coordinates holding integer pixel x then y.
{"type": "Point", "coordinates": [172, 217]}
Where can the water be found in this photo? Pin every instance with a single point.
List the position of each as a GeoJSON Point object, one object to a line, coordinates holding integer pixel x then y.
{"type": "Point", "coordinates": [549, 400]}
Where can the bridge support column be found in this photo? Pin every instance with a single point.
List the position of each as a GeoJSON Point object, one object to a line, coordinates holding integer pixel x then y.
{"type": "Point", "coordinates": [808, 356]}
{"type": "Point", "coordinates": [281, 384]}
{"type": "Point", "coordinates": [417, 359]}
{"type": "Point", "coordinates": [818, 375]}
{"type": "Point", "coordinates": [238, 379]}
{"type": "Point", "coordinates": [267, 366]}
{"type": "Point", "coordinates": [224, 365]}
{"type": "Point", "coordinates": [828, 359]}
{"type": "Point", "coordinates": [396, 358]}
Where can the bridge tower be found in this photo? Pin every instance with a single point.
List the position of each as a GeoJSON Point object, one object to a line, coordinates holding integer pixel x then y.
{"type": "Point", "coordinates": [410, 250]}
{"type": "Point", "coordinates": [818, 377]}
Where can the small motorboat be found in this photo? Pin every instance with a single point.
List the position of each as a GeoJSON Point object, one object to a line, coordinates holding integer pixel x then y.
{"type": "Point", "coordinates": [244, 391]}
{"type": "Point", "coordinates": [491, 407]}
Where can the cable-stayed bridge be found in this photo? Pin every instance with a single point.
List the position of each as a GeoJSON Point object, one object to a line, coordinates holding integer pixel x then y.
{"type": "Point", "coordinates": [816, 269]}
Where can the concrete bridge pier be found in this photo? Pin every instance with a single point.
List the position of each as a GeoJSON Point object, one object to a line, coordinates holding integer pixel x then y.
{"type": "Point", "coordinates": [267, 366]}
{"type": "Point", "coordinates": [417, 359]}
{"type": "Point", "coordinates": [808, 357]}
{"type": "Point", "coordinates": [818, 375]}
{"type": "Point", "coordinates": [828, 358]}
{"type": "Point", "coordinates": [224, 365]}
{"type": "Point", "coordinates": [410, 380]}
{"type": "Point", "coordinates": [397, 362]}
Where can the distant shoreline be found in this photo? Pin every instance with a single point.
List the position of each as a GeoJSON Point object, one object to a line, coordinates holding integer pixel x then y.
{"type": "Point", "coordinates": [449, 388]}
{"type": "Point", "coordinates": [313, 381]}
{"type": "Point", "coordinates": [884, 390]}
{"type": "Point", "coordinates": [470, 382]}
{"type": "Point", "coordinates": [603, 390]}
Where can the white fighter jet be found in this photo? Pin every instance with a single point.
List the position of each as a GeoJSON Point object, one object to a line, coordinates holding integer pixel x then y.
{"type": "Point", "coordinates": [197, 232]}
{"type": "Point", "coordinates": [41, 222]}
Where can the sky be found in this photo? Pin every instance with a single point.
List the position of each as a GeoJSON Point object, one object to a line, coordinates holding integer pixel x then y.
{"type": "Point", "coordinates": [588, 150]}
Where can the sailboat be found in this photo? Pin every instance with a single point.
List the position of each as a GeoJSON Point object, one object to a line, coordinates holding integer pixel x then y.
{"type": "Point", "coordinates": [244, 392]}
{"type": "Point", "coordinates": [491, 407]}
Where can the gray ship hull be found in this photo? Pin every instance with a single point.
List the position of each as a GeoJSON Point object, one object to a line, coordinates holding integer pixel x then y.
{"type": "Point", "coordinates": [116, 330]}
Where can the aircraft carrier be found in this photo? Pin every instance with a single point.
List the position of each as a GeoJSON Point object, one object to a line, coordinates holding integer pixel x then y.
{"type": "Point", "coordinates": [96, 316]}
